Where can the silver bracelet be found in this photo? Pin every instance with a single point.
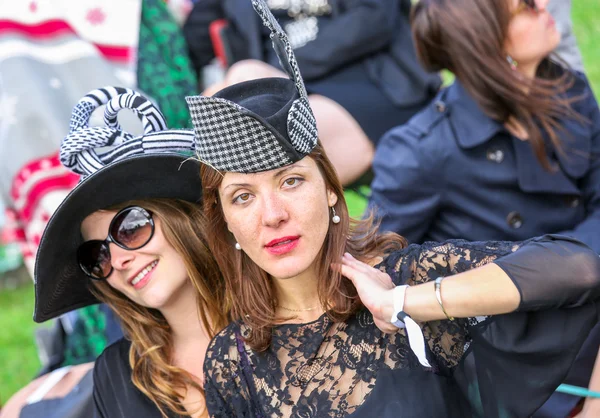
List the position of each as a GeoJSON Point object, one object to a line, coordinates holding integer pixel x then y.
{"type": "Point", "coordinates": [438, 296]}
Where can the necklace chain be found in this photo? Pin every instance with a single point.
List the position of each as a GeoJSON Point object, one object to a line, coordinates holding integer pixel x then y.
{"type": "Point", "coordinates": [299, 310]}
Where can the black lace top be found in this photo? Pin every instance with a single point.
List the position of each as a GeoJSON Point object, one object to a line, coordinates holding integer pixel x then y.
{"type": "Point", "coordinates": [501, 366]}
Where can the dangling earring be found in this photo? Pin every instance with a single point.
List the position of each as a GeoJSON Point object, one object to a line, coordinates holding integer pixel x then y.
{"type": "Point", "coordinates": [238, 246]}
{"type": "Point", "coordinates": [513, 64]}
{"type": "Point", "coordinates": [335, 219]}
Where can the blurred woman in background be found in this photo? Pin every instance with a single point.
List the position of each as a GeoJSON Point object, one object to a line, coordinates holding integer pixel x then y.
{"type": "Point", "coordinates": [509, 151]}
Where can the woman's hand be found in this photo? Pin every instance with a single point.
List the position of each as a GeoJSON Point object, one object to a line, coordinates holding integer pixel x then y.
{"type": "Point", "coordinates": [374, 289]}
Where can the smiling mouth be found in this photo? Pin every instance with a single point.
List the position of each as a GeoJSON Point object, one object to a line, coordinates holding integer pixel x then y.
{"type": "Point", "coordinates": [143, 273]}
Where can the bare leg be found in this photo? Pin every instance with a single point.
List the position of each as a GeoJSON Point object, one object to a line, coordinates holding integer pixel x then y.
{"type": "Point", "coordinates": [346, 144]}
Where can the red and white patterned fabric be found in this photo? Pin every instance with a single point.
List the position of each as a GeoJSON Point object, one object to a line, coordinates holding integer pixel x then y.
{"type": "Point", "coordinates": [52, 52]}
{"type": "Point", "coordinates": [37, 191]}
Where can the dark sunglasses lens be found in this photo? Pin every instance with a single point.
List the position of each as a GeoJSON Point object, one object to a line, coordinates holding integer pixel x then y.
{"type": "Point", "coordinates": [94, 259]}
{"type": "Point", "coordinates": [132, 228]}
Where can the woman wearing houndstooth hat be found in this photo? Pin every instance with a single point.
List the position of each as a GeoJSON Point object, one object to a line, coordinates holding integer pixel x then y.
{"type": "Point", "coordinates": [356, 57]}
{"type": "Point", "coordinates": [334, 319]}
{"type": "Point", "coordinates": [131, 234]}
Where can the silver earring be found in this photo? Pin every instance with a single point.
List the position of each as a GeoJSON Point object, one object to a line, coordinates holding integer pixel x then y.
{"type": "Point", "coordinates": [238, 246]}
{"type": "Point", "coordinates": [513, 64]}
{"type": "Point", "coordinates": [335, 218]}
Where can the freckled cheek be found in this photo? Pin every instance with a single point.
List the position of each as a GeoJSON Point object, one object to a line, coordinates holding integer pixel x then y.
{"type": "Point", "coordinates": [316, 221]}
{"type": "Point", "coordinates": [247, 237]}
{"type": "Point", "coordinates": [245, 231]}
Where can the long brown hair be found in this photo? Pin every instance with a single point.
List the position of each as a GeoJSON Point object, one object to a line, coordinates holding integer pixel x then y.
{"type": "Point", "coordinates": [250, 291]}
{"type": "Point", "coordinates": [150, 355]}
{"type": "Point", "coordinates": [467, 38]}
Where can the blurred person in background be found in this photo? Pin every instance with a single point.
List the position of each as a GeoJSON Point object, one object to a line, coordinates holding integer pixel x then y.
{"type": "Point", "coordinates": [509, 151]}
{"type": "Point", "coordinates": [567, 49]}
{"type": "Point", "coordinates": [357, 58]}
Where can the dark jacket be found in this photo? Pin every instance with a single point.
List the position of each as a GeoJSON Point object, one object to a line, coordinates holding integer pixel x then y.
{"type": "Point", "coordinates": [453, 172]}
{"type": "Point", "coordinates": [376, 32]}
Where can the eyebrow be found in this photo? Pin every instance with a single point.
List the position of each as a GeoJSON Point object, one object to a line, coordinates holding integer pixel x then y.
{"type": "Point", "coordinates": [283, 171]}
{"type": "Point", "coordinates": [236, 185]}
{"type": "Point", "coordinates": [277, 174]}
{"type": "Point", "coordinates": [288, 168]}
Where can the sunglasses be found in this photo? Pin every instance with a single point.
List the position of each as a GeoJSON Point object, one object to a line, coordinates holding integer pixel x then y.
{"type": "Point", "coordinates": [529, 5]}
{"type": "Point", "coordinates": [130, 229]}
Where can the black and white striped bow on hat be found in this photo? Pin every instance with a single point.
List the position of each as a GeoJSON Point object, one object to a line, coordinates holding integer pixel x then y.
{"type": "Point", "coordinates": [85, 150]}
{"type": "Point", "coordinates": [257, 125]}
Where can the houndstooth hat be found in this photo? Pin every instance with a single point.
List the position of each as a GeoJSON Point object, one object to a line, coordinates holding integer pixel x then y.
{"type": "Point", "coordinates": [115, 167]}
{"type": "Point", "coordinates": [257, 125]}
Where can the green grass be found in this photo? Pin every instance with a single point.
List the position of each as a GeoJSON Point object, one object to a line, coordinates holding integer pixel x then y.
{"type": "Point", "coordinates": [18, 358]}
{"type": "Point", "coordinates": [19, 362]}
{"type": "Point", "coordinates": [586, 22]}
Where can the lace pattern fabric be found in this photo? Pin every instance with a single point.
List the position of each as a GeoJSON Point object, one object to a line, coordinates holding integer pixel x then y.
{"type": "Point", "coordinates": [330, 369]}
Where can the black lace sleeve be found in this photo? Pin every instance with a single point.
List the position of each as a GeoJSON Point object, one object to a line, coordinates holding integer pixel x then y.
{"type": "Point", "coordinates": [507, 365]}
{"type": "Point", "coordinates": [226, 387]}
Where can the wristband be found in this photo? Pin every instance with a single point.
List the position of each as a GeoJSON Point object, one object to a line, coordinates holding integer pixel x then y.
{"type": "Point", "coordinates": [401, 319]}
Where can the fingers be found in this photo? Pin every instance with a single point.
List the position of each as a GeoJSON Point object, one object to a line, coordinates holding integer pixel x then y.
{"type": "Point", "coordinates": [357, 277]}
{"type": "Point", "coordinates": [347, 271]}
{"type": "Point", "coordinates": [349, 260]}
{"type": "Point", "coordinates": [352, 268]}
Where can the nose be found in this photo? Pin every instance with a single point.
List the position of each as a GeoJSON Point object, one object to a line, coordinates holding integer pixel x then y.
{"type": "Point", "coordinates": [120, 259]}
{"type": "Point", "coordinates": [274, 211]}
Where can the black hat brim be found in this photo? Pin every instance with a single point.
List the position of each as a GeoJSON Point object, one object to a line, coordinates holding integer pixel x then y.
{"type": "Point", "coordinates": [60, 285]}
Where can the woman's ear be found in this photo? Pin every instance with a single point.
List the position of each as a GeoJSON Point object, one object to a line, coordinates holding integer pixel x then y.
{"type": "Point", "coordinates": [332, 198]}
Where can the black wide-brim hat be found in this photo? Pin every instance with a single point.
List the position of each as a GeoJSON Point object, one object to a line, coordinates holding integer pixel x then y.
{"type": "Point", "coordinates": [159, 164]}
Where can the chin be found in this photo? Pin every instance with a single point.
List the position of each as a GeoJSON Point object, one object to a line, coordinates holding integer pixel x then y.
{"type": "Point", "coordinates": [554, 41]}
{"type": "Point", "coordinates": [153, 303]}
{"type": "Point", "coordinates": [286, 269]}
{"type": "Point", "coordinates": [156, 297]}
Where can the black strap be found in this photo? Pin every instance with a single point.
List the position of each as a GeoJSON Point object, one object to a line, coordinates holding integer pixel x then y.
{"type": "Point", "coordinates": [246, 370]}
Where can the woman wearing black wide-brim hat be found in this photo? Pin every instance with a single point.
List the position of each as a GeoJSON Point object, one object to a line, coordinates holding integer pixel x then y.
{"type": "Point", "coordinates": [334, 319]}
{"type": "Point", "coordinates": [131, 234]}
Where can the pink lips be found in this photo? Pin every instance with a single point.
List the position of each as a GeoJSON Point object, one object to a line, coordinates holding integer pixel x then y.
{"type": "Point", "coordinates": [551, 21]}
{"type": "Point", "coordinates": [144, 281]}
{"type": "Point", "coordinates": [282, 245]}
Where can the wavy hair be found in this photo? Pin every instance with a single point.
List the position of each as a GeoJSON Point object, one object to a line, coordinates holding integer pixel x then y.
{"type": "Point", "coordinates": [467, 38]}
{"type": "Point", "coordinates": [150, 355]}
{"type": "Point", "coordinates": [250, 292]}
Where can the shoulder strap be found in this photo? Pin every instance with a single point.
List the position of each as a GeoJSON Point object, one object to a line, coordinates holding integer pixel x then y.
{"type": "Point", "coordinates": [247, 372]}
